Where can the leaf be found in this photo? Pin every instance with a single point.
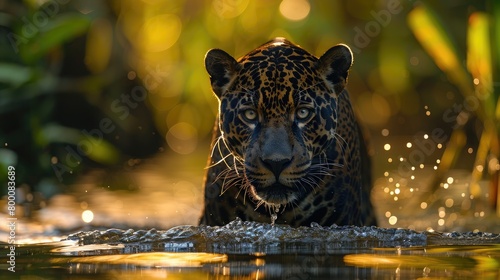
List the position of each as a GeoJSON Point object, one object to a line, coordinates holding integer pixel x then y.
{"type": "Point", "coordinates": [14, 74]}
{"type": "Point", "coordinates": [7, 157]}
{"type": "Point", "coordinates": [432, 36]}
{"type": "Point", "coordinates": [480, 162]}
{"type": "Point", "coordinates": [99, 45]}
{"type": "Point", "coordinates": [59, 30]}
{"type": "Point", "coordinates": [84, 144]}
{"type": "Point", "coordinates": [479, 62]}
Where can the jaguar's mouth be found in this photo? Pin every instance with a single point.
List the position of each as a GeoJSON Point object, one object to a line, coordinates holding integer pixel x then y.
{"type": "Point", "coordinates": [276, 194]}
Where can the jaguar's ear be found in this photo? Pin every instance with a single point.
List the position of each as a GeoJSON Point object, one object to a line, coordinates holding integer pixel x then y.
{"type": "Point", "coordinates": [222, 68]}
{"type": "Point", "coordinates": [334, 66]}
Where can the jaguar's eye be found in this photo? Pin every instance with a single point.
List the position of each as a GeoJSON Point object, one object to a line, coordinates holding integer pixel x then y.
{"type": "Point", "coordinates": [303, 114]}
{"type": "Point", "coordinates": [250, 114]}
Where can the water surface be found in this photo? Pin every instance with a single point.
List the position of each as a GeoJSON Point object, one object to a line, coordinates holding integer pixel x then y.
{"type": "Point", "coordinates": [249, 250]}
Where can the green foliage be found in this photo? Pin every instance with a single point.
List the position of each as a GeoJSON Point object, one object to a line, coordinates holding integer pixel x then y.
{"type": "Point", "coordinates": [32, 138]}
{"type": "Point", "coordinates": [476, 84]}
{"type": "Point", "coordinates": [55, 33]}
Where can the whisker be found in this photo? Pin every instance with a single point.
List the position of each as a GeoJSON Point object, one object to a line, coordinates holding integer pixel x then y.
{"type": "Point", "coordinates": [245, 184]}
{"type": "Point", "coordinates": [259, 204]}
{"type": "Point", "coordinates": [221, 160]}
{"type": "Point", "coordinates": [235, 166]}
{"type": "Point", "coordinates": [227, 148]}
{"type": "Point", "coordinates": [226, 185]}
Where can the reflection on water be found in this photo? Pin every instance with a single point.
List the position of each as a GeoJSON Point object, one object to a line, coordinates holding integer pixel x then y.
{"type": "Point", "coordinates": [248, 250]}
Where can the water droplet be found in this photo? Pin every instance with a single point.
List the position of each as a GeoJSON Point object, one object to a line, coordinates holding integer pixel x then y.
{"type": "Point", "coordinates": [274, 215]}
{"type": "Point", "coordinates": [276, 208]}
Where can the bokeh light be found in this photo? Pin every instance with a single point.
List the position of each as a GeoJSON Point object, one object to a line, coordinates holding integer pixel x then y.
{"type": "Point", "coordinates": [87, 216]}
{"type": "Point", "coordinates": [229, 8]}
{"type": "Point", "coordinates": [393, 220]}
{"type": "Point", "coordinates": [182, 138]}
{"type": "Point", "coordinates": [295, 9]}
{"type": "Point", "coordinates": [373, 109]}
{"type": "Point", "coordinates": [160, 32]}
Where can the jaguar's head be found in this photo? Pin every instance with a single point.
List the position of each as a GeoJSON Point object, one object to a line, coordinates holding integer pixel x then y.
{"type": "Point", "coordinates": [278, 114]}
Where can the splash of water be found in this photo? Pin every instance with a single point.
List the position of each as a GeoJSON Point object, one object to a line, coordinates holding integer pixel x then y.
{"type": "Point", "coordinates": [274, 215]}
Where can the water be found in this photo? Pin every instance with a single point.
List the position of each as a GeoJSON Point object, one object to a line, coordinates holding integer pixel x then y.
{"type": "Point", "coordinates": [249, 250]}
{"type": "Point", "coordinates": [61, 242]}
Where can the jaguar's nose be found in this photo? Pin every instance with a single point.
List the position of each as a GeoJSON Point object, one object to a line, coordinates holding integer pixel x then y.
{"type": "Point", "coordinates": [276, 166]}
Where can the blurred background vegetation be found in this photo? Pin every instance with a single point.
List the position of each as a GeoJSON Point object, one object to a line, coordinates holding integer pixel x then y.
{"type": "Point", "coordinates": [88, 85]}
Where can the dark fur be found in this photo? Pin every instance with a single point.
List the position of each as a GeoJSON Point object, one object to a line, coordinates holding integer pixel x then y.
{"type": "Point", "coordinates": [286, 135]}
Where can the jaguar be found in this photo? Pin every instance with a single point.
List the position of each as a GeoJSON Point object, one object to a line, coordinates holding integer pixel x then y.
{"type": "Point", "coordinates": [286, 147]}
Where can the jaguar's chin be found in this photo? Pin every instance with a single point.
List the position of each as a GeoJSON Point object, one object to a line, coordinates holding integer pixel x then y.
{"type": "Point", "coordinates": [276, 194]}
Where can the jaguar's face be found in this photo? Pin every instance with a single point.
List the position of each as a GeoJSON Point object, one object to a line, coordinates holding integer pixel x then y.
{"type": "Point", "coordinates": [277, 116]}
{"type": "Point", "coordinates": [277, 134]}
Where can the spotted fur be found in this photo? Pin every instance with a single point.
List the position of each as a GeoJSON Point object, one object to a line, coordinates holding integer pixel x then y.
{"type": "Point", "coordinates": [286, 140]}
